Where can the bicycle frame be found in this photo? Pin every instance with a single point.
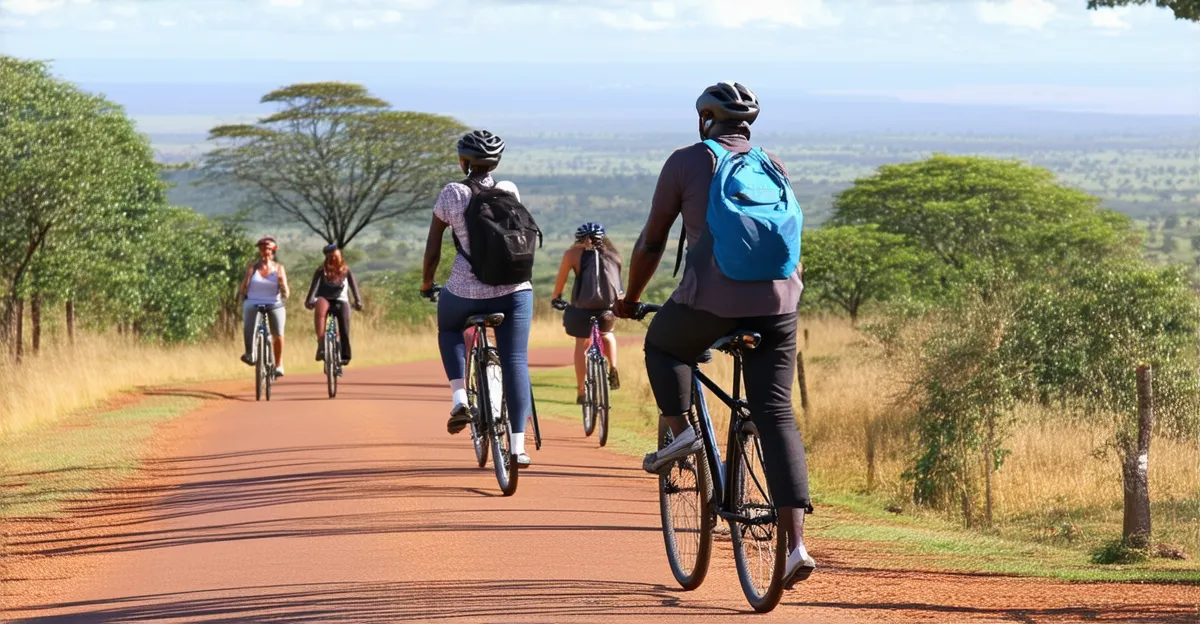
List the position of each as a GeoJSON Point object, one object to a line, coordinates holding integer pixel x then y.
{"type": "Point", "coordinates": [739, 416]}
{"type": "Point", "coordinates": [263, 333]}
{"type": "Point", "coordinates": [597, 347]}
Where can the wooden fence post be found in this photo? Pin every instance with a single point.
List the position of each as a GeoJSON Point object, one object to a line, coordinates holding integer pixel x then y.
{"type": "Point", "coordinates": [1135, 471]}
{"type": "Point", "coordinates": [803, 387]}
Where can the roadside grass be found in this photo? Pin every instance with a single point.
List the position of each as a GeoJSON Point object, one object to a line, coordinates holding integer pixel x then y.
{"type": "Point", "coordinates": [1052, 540]}
{"type": "Point", "coordinates": [45, 469]}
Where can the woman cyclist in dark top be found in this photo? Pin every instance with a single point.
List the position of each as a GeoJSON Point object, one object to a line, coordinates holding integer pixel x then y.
{"type": "Point", "coordinates": [330, 291]}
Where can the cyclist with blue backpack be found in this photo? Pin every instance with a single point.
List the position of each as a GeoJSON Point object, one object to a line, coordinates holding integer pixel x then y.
{"type": "Point", "coordinates": [742, 224]}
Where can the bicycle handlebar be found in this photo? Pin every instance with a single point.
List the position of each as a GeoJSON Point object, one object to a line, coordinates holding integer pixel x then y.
{"type": "Point", "coordinates": [645, 309]}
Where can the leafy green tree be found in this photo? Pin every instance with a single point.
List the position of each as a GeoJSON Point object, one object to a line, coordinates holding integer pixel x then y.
{"type": "Point", "coordinates": [1183, 9]}
{"type": "Point", "coordinates": [337, 159]}
{"type": "Point", "coordinates": [986, 219]}
{"type": "Point", "coordinates": [853, 265]}
{"type": "Point", "coordinates": [74, 177]}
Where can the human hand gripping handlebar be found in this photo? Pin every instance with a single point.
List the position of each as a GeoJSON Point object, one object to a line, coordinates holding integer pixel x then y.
{"type": "Point", "coordinates": [635, 310]}
{"type": "Point", "coordinates": [559, 304]}
{"type": "Point", "coordinates": [432, 293]}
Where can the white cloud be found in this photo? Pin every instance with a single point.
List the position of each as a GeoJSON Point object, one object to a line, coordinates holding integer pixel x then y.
{"type": "Point", "coordinates": [104, 25]}
{"type": "Point", "coordinates": [1033, 14]}
{"type": "Point", "coordinates": [29, 7]}
{"type": "Point", "coordinates": [1111, 19]}
{"type": "Point", "coordinates": [11, 24]}
{"type": "Point", "coordinates": [285, 3]}
{"type": "Point", "coordinates": [125, 9]}
{"type": "Point", "coordinates": [796, 13]}
{"type": "Point", "coordinates": [167, 23]}
{"type": "Point", "coordinates": [362, 23]}
{"type": "Point", "coordinates": [391, 16]}
{"type": "Point", "coordinates": [635, 15]}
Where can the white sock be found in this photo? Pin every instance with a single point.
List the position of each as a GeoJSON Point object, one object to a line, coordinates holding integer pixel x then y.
{"type": "Point", "coordinates": [458, 388]}
{"type": "Point", "coordinates": [517, 442]}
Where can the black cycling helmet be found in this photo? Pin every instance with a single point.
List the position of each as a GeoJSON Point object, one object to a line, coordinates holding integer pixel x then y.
{"type": "Point", "coordinates": [591, 230]}
{"type": "Point", "coordinates": [729, 101]}
{"type": "Point", "coordinates": [481, 148]}
{"type": "Point", "coordinates": [331, 247]}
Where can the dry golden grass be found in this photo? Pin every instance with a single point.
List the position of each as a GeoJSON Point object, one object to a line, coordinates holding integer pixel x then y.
{"type": "Point", "coordinates": [1060, 469]}
{"type": "Point", "coordinates": [66, 379]}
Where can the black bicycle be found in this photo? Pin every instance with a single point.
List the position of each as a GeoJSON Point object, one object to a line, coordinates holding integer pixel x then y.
{"type": "Point", "coordinates": [695, 490]}
{"type": "Point", "coordinates": [333, 349]}
{"type": "Point", "coordinates": [490, 421]}
{"type": "Point", "coordinates": [264, 355]}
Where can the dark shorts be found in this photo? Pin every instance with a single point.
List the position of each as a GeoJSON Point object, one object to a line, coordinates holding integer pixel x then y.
{"type": "Point", "coordinates": [578, 323]}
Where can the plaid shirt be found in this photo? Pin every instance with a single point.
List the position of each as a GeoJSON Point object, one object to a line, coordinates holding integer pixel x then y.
{"type": "Point", "coordinates": [450, 206]}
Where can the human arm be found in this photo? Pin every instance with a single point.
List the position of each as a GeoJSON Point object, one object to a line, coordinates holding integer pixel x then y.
{"type": "Point", "coordinates": [311, 300]}
{"type": "Point", "coordinates": [570, 257]}
{"type": "Point", "coordinates": [433, 253]}
{"type": "Point", "coordinates": [648, 251]}
{"type": "Point", "coordinates": [245, 287]}
{"type": "Point", "coordinates": [284, 290]}
{"type": "Point", "coordinates": [353, 283]}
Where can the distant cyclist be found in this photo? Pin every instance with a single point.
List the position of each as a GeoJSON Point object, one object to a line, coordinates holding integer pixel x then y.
{"type": "Point", "coordinates": [265, 284]}
{"type": "Point", "coordinates": [465, 295]}
{"type": "Point", "coordinates": [709, 303]}
{"type": "Point", "coordinates": [330, 291]}
{"type": "Point", "coordinates": [597, 267]}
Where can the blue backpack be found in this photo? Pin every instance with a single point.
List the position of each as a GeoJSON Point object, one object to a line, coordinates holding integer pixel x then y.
{"type": "Point", "coordinates": [753, 217]}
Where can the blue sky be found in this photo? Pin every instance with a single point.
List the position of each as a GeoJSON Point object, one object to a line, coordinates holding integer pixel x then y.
{"type": "Point", "coordinates": [1023, 52]}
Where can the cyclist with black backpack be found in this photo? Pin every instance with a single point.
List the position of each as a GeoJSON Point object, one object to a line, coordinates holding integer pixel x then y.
{"type": "Point", "coordinates": [742, 225]}
{"type": "Point", "coordinates": [496, 238]}
{"type": "Point", "coordinates": [597, 267]}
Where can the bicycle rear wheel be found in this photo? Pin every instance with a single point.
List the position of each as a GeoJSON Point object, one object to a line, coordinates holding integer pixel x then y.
{"type": "Point", "coordinates": [759, 546]}
{"type": "Point", "coordinates": [685, 504]}
{"type": "Point", "coordinates": [602, 406]}
{"type": "Point", "coordinates": [502, 458]}
{"type": "Point", "coordinates": [479, 430]}
{"type": "Point", "coordinates": [331, 364]}
{"type": "Point", "coordinates": [589, 400]}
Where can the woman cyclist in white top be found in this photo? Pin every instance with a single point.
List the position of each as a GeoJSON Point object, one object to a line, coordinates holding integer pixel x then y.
{"type": "Point", "coordinates": [265, 284]}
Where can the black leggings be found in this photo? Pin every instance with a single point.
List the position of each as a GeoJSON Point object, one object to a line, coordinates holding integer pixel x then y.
{"type": "Point", "coordinates": [341, 310]}
{"type": "Point", "coordinates": [679, 335]}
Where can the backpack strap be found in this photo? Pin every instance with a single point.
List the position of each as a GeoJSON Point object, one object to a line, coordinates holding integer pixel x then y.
{"type": "Point", "coordinates": [474, 188]}
{"type": "Point", "coordinates": [718, 152]}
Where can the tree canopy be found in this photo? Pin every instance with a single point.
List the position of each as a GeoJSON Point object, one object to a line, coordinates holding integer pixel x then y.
{"type": "Point", "coordinates": [337, 159]}
{"type": "Point", "coordinates": [1183, 9]}
{"type": "Point", "coordinates": [853, 265]}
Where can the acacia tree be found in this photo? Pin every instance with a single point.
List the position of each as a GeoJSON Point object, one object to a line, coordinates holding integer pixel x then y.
{"type": "Point", "coordinates": [74, 176]}
{"type": "Point", "coordinates": [337, 159]}
{"type": "Point", "coordinates": [852, 265]}
{"type": "Point", "coordinates": [1183, 9]}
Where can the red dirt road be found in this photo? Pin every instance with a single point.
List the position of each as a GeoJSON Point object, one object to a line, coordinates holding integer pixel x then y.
{"type": "Point", "coordinates": [363, 509]}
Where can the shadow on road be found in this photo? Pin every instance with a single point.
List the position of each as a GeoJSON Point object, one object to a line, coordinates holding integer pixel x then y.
{"type": "Point", "coordinates": [543, 600]}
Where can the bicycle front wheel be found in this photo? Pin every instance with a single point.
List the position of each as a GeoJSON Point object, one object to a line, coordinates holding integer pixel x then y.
{"type": "Point", "coordinates": [331, 365]}
{"type": "Point", "coordinates": [759, 545]}
{"type": "Point", "coordinates": [589, 400]}
{"type": "Point", "coordinates": [268, 368]}
{"type": "Point", "coordinates": [260, 371]}
{"type": "Point", "coordinates": [685, 504]}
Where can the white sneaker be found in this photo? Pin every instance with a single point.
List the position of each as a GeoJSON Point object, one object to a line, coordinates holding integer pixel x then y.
{"type": "Point", "coordinates": [279, 371]}
{"type": "Point", "coordinates": [686, 444]}
{"type": "Point", "coordinates": [799, 567]}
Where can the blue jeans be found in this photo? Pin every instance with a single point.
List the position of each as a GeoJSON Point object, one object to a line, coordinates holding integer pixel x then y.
{"type": "Point", "coordinates": [512, 338]}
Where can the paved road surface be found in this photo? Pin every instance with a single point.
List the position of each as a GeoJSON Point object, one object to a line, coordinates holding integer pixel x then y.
{"type": "Point", "coordinates": [363, 509]}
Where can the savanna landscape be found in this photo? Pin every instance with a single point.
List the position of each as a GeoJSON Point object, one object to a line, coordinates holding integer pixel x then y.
{"type": "Point", "coordinates": [998, 378]}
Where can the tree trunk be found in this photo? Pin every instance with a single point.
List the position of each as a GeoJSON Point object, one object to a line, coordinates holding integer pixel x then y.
{"type": "Point", "coordinates": [806, 338]}
{"type": "Point", "coordinates": [1135, 472]}
{"type": "Point", "coordinates": [71, 321]}
{"type": "Point", "coordinates": [989, 465]}
{"type": "Point", "coordinates": [19, 338]}
{"type": "Point", "coordinates": [35, 317]}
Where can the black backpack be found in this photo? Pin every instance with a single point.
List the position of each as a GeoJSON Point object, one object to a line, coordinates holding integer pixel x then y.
{"type": "Point", "coordinates": [501, 232]}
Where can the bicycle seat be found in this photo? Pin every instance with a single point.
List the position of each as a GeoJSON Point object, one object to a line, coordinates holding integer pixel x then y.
{"type": "Point", "coordinates": [737, 342]}
{"type": "Point", "coordinates": [261, 308]}
{"type": "Point", "coordinates": [487, 320]}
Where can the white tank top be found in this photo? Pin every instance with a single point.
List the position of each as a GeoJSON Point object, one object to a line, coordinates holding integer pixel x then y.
{"type": "Point", "coordinates": [264, 290]}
